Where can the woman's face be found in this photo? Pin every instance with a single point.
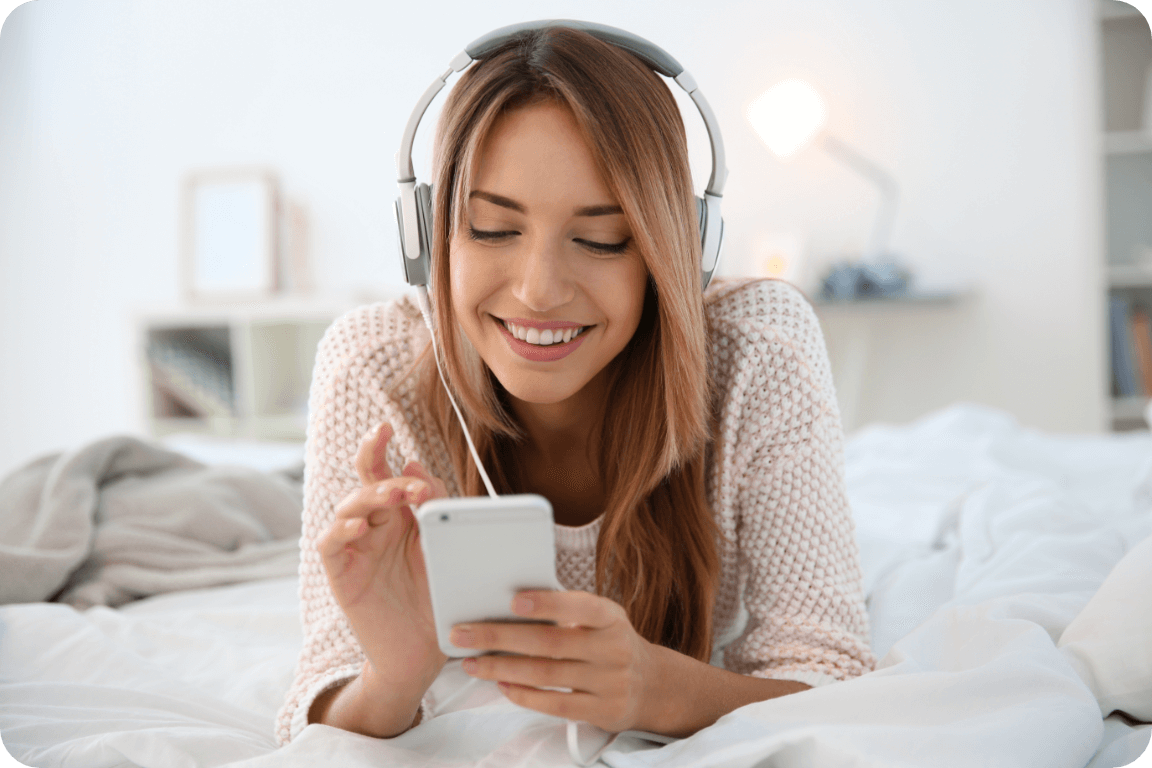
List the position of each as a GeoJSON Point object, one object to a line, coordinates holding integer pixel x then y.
{"type": "Point", "coordinates": [545, 279]}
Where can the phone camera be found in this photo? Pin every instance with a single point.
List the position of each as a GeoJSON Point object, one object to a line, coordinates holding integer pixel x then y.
{"type": "Point", "coordinates": [444, 517]}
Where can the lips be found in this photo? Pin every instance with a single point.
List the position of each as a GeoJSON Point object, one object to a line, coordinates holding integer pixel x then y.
{"type": "Point", "coordinates": [537, 352]}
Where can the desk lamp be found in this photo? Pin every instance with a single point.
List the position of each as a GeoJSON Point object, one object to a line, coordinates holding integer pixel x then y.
{"type": "Point", "coordinates": [789, 117]}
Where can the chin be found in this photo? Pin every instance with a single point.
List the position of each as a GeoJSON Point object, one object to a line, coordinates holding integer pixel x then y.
{"type": "Point", "coordinates": [539, 390]}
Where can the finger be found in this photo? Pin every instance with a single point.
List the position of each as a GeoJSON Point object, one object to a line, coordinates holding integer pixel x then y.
{"type": "Point", "coordinates": [371, 462]}
{"type": "Point", "coordinates": [340, 535]}
{"type": "Point", "coordinates": [396, 494]}
{"type": "Point", "coordinates": [570, 706]}
{"type": "Point", "coordinates": [534, 671]}
{"type": "Point", "coordinates": [416, 469]}
{"type": "Point", "coordinates": [569, 609]}
{"type": "Point", "coordinates": [541, 640]}
{"type": "Point", "coordinates": [381, 497]}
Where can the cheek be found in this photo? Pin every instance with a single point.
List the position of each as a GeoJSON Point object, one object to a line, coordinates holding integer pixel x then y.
{"type": "Point", "coordinates": [625, 294]}
{"type": "Point", "coordinates": [467, 286]}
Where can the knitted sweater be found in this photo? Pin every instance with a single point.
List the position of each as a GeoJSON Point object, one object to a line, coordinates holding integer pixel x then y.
{"type": "Point", "coordinates": [789, 560]}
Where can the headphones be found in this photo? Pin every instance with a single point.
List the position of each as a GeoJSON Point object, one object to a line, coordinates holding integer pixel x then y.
{"type": "Point", "coordinates": [414, 206]}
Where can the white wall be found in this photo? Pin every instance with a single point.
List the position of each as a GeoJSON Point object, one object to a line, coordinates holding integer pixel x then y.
{"type": "Point", "coordinates": [985, 110]}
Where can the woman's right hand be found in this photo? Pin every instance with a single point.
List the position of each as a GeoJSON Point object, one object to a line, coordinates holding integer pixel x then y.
{"type": "Point", "coordinates": [375, 567]}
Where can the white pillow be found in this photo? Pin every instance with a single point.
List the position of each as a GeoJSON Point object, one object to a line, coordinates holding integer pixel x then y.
{"type": "Point", "coordinates": [1110, 642]}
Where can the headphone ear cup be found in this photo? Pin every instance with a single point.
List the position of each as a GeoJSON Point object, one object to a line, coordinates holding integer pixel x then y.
{"type": "Point", "coordinates": [416, 270]}
{"type": "Point", "coordinates": [424, 218]}
{"type": "Point", "coordinates": [701, 218]}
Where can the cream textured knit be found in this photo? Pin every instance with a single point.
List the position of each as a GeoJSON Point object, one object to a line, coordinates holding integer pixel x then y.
{"type": "Point", "coordinates": [776, 488]}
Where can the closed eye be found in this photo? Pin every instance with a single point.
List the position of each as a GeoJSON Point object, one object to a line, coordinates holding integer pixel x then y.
{"type": "Point", "coordinates": [605, 248]}
{"type": "Point", "coordinates": [592, 245]}
{"type": "Point", "coordinates": [488, 234]}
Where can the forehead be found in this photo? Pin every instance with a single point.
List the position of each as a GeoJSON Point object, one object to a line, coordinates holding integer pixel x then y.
{"type": "Point", "coordinates": [539, 150]}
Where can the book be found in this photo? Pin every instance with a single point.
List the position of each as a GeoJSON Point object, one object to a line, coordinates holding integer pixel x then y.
{"type": "Point", "coordinates": [1141, 329]}
{"type": "Point", "coordinates": [1123, 368]}
{"type": "Point", "coordinates": [200, 382]}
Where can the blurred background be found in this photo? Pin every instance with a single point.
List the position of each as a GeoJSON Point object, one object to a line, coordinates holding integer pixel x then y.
{"type": "Point", "coordinates": [149, 147]}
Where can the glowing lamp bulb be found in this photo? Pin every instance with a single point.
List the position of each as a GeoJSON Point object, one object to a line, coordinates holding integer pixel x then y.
{"type": "Point", "coordinates": [788, 116]}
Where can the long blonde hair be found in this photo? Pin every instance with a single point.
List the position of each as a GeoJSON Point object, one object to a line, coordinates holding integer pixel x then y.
{"type": "Point", "coordinates": [656, 552]}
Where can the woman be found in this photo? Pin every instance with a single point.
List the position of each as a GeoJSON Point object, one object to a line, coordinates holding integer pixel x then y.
{"type": "Point", "coordinates": [690, 444]}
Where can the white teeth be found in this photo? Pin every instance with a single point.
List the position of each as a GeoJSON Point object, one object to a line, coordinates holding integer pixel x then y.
{"type": "Point", "coordinates": [542, 338]}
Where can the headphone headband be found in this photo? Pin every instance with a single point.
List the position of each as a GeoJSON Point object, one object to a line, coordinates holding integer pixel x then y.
{"type": "Point", "coordinates": [410, 211]}
{"type": "Point", "coordinates": [654, 56]}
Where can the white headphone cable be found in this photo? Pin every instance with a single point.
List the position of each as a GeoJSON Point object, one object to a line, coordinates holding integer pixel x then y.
{"type": "Point", "coordinates": [426, 311]}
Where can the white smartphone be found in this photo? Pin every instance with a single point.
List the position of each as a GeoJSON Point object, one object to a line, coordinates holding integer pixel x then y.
{"type": "Point", "coordinates": [479, 552]}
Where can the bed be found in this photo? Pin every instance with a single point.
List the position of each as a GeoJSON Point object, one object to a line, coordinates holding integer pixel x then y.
{"type": "Point", "coordinates": [980, 541]}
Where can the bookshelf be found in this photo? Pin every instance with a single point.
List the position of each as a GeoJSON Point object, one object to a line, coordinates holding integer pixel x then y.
{"type": "Point", "coordinates": [1126, 69]}
{"type": "Point", "coordinates": [232, 371]}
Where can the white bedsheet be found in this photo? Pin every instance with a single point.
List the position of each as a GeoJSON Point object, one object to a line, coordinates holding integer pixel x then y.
{"type": "Point", "coordinates": [980, 542]}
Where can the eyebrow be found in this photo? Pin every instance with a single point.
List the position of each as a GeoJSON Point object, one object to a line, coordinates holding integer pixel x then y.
{"type": "Point", "coordinates": [505, 202]}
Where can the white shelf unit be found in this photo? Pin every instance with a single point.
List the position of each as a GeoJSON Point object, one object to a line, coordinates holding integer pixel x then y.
{"type": "Point", "coordinates": [240, 372]}
{"type": "Point", "coordinates": [1127, 142]}
{"type": "Point", "coordinates": [1126, 65]}
{"type": "Point", "coordinates": [1130, 276]}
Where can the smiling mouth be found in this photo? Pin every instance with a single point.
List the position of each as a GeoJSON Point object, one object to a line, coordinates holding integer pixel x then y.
{"type": "Point", "coordinates": [544, 338]}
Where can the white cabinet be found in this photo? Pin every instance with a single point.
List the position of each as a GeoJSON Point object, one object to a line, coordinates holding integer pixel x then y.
{"type": "Point", "coordinates": [232, 372]}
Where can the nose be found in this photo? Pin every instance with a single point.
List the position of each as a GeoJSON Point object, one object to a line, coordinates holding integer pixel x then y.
{"type": "Point", "coordinates": [543, 283]}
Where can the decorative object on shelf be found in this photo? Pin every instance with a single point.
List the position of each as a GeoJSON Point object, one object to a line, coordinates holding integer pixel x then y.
{"type": "Point", "coordinates": [853, 282]}
{"type": "Point", "coordinates": [777, 255]}
{"type": "Point", "coordinates": [790, 116]}
{"type": "Point", "coordinates": [294, 266]}
{"type": "Point", "coordinates": [231, 235]}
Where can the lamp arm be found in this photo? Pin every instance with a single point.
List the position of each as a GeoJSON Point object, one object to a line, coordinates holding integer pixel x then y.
{"type": "Point", "coordinates": [889, 192]}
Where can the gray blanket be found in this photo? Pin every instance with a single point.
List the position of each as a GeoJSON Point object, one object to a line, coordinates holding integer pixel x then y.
{"type": "Point", "coordinates": [122, 518]}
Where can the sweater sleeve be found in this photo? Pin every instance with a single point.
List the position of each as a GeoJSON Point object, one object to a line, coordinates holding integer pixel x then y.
{"type": "Point", "coordinates": [799, 561]}
{"type": "Point", "coordinates": [359, 355]}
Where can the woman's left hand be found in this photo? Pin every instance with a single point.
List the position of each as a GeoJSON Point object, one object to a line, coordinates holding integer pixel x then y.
{"type": "Point", "coordinates": [593, 650]}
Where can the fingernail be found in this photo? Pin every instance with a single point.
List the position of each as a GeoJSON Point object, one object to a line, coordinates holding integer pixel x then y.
{"type": "Point", "coordinates": [469, 665]}
{"type": "Point", "coordinates": [523, 605]}
{"type": "Point", "coordinates": [461, 638]}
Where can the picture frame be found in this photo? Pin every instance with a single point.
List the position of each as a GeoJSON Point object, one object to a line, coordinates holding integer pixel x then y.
{"type": "Point", "coordinates": [231, 233]}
